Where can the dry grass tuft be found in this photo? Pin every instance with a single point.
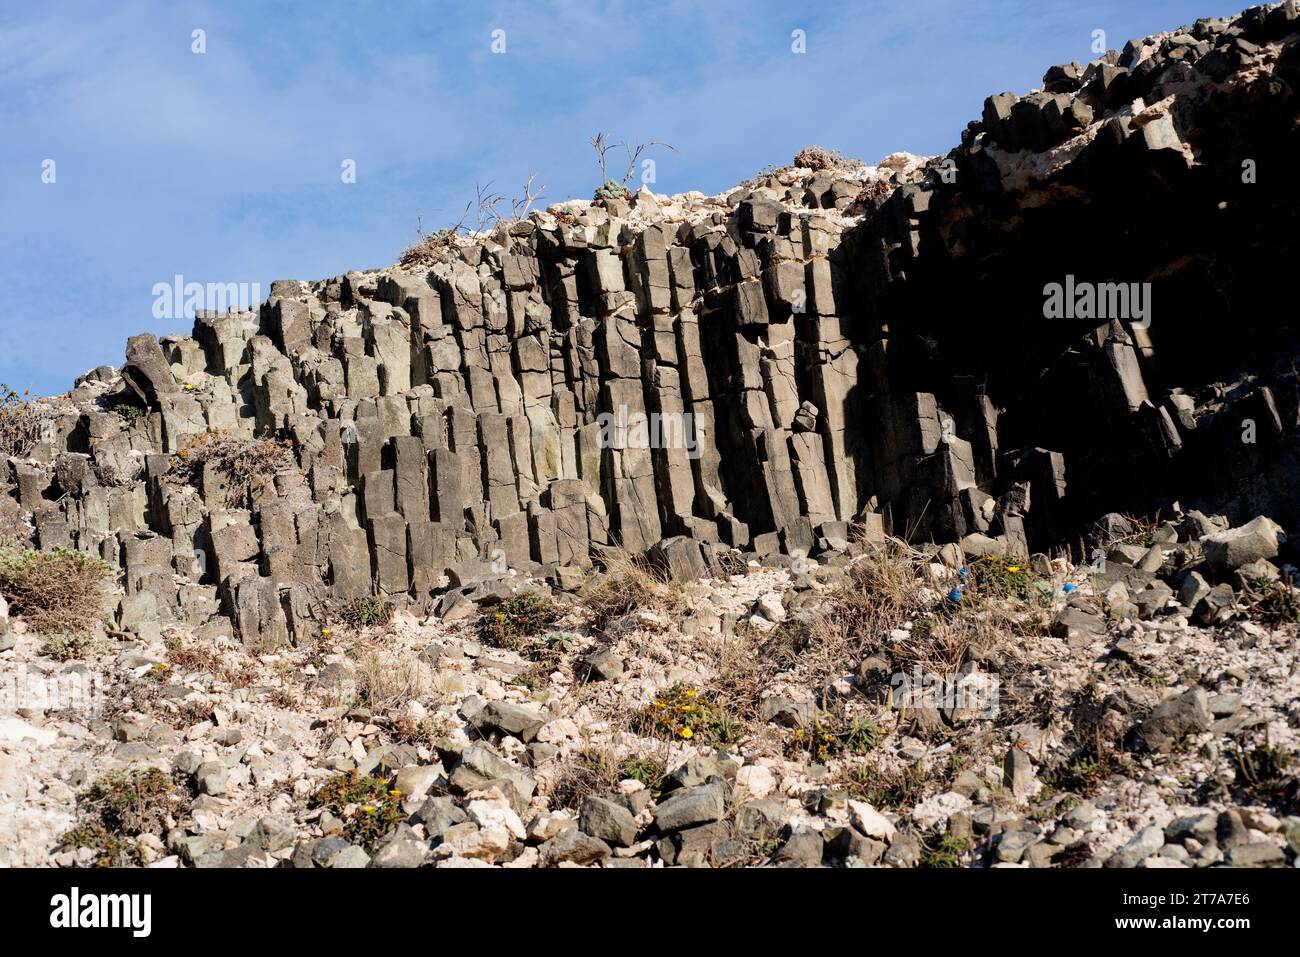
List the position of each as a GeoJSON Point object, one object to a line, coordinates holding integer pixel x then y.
{"type": "Point", "coordinates": [881, 593]}
{"type": "Point", "coordinates": [55, 592]}
{"type": "Point", "coordinates": [818, 158]}
{"type": "Point", "coordinates": [245, 464]}
{"type": "Point", "coordinates": [388, 680]}
{"type": "Point", "coordinates": [365, 612]}
{"type": "Point", "coordinates": [20, 425]}
{"type": "Point", "coordinates": [201, 659]}
{"type": "Point", "coordinates": [627, 585]}
{"type": "Point", "coordinates": [592, 772]}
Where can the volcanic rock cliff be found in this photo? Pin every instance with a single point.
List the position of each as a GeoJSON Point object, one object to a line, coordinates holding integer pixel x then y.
{"type": "Point", "coordinates": [1076, 311]}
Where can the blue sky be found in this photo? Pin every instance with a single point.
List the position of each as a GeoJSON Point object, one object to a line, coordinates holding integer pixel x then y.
{"type": "Point", "coordinates": [225, 166]}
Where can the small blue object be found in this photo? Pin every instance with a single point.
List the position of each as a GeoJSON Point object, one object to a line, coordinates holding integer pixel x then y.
{"type": "Point", "coordinates": [1067, 588]}
{"type": "Point", "coordinates": [963, 572]}
{"type": "Point", "coordinates": [955, 594]}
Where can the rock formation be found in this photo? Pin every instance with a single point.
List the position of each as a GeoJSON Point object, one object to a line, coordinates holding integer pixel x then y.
{"type": "Point", "coordinates": [1072, 313]}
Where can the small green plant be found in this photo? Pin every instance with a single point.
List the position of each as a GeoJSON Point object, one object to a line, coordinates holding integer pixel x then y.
{"type": "Point", "coordinates": [559, 642]}
{"type": "Point", "coordinates": [66, 646]}
{"type": "Point", "coordinates": [685, 714]}
{"type": "Point", "coordinates": [128, 405]}
{"type": "Point", "coordinates": [1275, 602]}
{"type": "Point", "coordinates": [520, 617]}
{"type": "Point", "coordinates": [1261, 771]}
{"type": "Point", "coordinates": [887, 789]}
{"type": "Point", "coordinates": [366, 612]}
{"type": "Point", "coordinates": [611, 189]}
{"type": "Point", "coordinates": [366, 804]}
{"type": "Point", "coordinates": [648, 772]}
{"type": "Point", "coordinates": [861, 736]}
{"type": "Point", "coordinates": [1086, 771]}
{"type": "Point", "coordinates": [59, 592]}
{"type": "Point", "coordinates": [944, 851]}
{"type": "Point", "coordinates": [996, 576]}
{"type": "Point", "coordinates": [829, 737]}
{"type": "Point", "coordinates": [121, 806]}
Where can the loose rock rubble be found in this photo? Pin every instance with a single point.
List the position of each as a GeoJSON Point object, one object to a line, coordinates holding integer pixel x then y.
{"type": "Point", "coordinates": [579, 542]}
{"type": "Point", "coordinates": [1160, 733]}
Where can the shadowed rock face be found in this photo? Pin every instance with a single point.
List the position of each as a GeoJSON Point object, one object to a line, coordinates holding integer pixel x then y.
{"type": "Point", "coordinates": [1074, 312]}
{"type": "Point", "coordinates": [1095, 416]}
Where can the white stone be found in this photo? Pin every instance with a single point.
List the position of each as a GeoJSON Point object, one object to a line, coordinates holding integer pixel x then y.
{"type": "Point", "coordinates": [548, 824]}
{"type": "Point", "coordinates": [486, 844]}
{"type": "Point", "coordinates": [528, 858]}
{"type": "Point", "coordinates": [414, 781]}
{"type": "Point", "coordinates": [870, 821]}
{"type": "Point", "coordinates": [770, 607]}
{"type": "Point", "coordinates": [938, 809]}
{"type": "Point", "coordinates": [495, 813]}
{"type": "Point", "coordinates": [757, 780]}
{"type": "Point", "coordinates": [561, 729]}
{"type": "Point", "coordinates": [16, 731]}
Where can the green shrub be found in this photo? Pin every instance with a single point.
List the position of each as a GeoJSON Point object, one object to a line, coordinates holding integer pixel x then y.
{"type": "Point", "coordinates": [685, 714]}
{"type": "Point", "coordinates": [1275, 602]}
{"type": "Point", "coordinates": [128, 405]}
{"type": "Point", "coordinates": [67, 646]}
{"type": "Point", "coordinates": [648, 772]}
{"type": "Point", "coordinates": [120, 806]}
{"type": "Point", "coordinates": [366, 804]}
{"type": "Point", "coordinates": [612, 189]}
{"type": "Point", "coordinates": [944, 851]}
{"type": "Point", "coordinates": [829, 737]}
{"type": "Point", "coordinates": [1001, 577]}
{"type": "Point", "coordinates": [511, 623]}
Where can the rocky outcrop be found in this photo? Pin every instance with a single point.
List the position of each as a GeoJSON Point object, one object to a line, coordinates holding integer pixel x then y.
{"type": "Point", "coordinates": [1069, 314]}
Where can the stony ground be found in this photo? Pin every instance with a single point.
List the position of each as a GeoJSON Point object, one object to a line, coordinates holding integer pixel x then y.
{"type": "Point", "coordinates": [1138, 717]}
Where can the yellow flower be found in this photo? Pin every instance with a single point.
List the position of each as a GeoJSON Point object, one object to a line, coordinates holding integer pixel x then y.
{"type": "Point", "coordinates": [690, 693]}
{"type": "Point", "coordinates": [324, 631]}
{"type": "Point", "coordinates": [1013, 568]}
{"type": "Point", "coordinates": [369, 809]}
{"type": "Point", "coordinates": [687, 733]}
{"type": "Point", "coordinates": [395, 793]}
